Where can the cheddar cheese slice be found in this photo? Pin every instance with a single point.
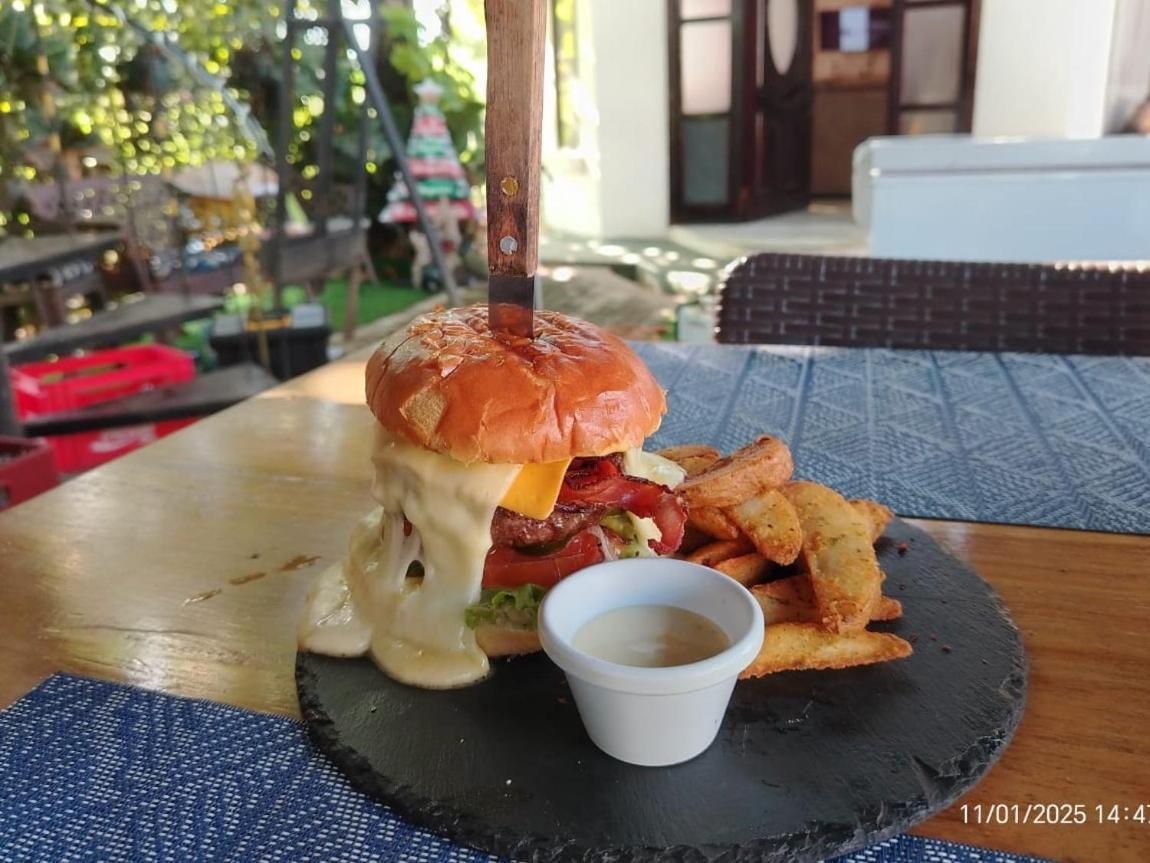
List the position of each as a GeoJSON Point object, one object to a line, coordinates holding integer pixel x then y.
{"type": "Point", "coordinates": [535, 489]}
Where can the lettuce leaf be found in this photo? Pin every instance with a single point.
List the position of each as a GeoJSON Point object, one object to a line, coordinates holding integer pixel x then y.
{"type": "Point", "coordinates": [518, 606]}
{"type": "Point", "coordinates": [621, 523]}
{"type": "Point", "coordinates": [617, 521]}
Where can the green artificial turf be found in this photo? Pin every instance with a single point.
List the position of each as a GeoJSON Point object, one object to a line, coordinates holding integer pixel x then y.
{"type": "Point", "coordinates": [376, 300]}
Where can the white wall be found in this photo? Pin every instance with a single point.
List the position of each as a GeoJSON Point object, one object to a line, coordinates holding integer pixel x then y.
{"type": "Point", "coordinates": [570, 193]}
{"type": "Point", "coordinates": [1129, 80]}
{"type": "Point", "coordinates": [634, 139]}
{"type": "Point", "coordinates": [617, 183]}
{"type": "Point", "coordinates": [571, 199]}
{"type": "Point", "coordinates": [1043, 67]}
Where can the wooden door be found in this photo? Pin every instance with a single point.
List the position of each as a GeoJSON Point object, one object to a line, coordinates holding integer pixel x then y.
{"type": "Point", "coordinates": [740, 93]}
{"type": "Point", "coordinates": [777, 110]}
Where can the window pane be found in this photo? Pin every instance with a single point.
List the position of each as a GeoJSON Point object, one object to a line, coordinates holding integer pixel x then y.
{"type": "Point", "coordinates": [705, 161]}
{"type": "Point", "coordinates": [702, 8]}
{"type": "Point", "coordinates": [855, 30]}
{"type": "Point", "coordinates": [932, 54]}
{"type": "Point", "coordinates": [783, 30]}
{"type": "Point", "coordinates": [705, 61]}
{"type": "Point", "coordinates": [927, 122]}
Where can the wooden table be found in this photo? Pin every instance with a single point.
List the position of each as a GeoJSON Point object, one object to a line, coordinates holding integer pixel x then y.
{"type": "Point", "coordinates": [205, 394]}
{"type": "Point", "coordinates": [183, 567]}
{"type": "Point", "coordinates": [28, 258]}
{"type": "Point", "coordinates": [131, 318]}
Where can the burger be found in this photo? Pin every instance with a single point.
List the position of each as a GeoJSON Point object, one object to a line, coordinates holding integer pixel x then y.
{"type": "Point", "coordinates": [501, 466]}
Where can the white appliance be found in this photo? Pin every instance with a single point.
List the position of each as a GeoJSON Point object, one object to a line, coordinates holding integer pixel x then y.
{"type": "Point", "coordinates": [955, 197]}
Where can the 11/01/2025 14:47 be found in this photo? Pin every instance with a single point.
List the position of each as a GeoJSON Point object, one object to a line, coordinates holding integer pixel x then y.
{"type": "Point", "coordinates": [1054, 813]}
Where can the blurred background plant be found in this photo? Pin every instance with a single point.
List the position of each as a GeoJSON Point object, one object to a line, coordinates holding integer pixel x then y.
{"type": "Point", "coordinates": [147, 87]}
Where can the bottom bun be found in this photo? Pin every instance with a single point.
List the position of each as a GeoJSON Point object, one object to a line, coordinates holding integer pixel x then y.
{"type": "Point", "coordinates": [506, 641]}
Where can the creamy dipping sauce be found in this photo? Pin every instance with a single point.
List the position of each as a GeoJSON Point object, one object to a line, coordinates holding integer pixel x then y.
{"type": "Point", "coordinates": [651, 636]}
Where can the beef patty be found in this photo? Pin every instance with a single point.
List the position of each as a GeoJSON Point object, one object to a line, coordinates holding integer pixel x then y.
{"type": "Point", "coordinates": [567, 519]}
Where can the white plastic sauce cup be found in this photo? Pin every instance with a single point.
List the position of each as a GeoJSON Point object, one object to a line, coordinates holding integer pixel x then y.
{"type": "Point", "coordinates": [651, 716]}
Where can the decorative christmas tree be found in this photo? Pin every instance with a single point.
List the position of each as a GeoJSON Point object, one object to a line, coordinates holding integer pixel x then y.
{"type": "Point", "coordinates": [434, 164]}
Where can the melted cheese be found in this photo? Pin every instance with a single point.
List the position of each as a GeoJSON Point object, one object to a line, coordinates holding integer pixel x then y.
{"type": "Point", "coordinates": [536, 489]}
{"type": "Point", "coordinates": [413, 629]}
{"type": "Point", "coordinates": [648, 465]}
{"type": "Point", "coordinates": [335, 622]}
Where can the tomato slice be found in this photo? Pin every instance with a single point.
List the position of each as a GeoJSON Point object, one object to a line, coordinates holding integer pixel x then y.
{"type": "Point", "coordinates": [506, 567]}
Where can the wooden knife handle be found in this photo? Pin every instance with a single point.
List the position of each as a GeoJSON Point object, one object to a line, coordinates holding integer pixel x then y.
{"type": "Point", "coordinates": [516, 38]}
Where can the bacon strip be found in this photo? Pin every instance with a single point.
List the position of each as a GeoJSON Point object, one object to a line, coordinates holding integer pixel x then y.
{"type": "Point", "coordinates": [601, 481]}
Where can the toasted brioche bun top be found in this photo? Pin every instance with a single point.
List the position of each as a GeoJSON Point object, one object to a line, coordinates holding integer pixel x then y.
{"type": "Point", "coordinates": [448, 384]}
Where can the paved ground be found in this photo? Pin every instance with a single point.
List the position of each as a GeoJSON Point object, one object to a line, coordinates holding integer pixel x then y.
{"type": "Point", "coordinates": [824, 228]}
{"type": "Point", "coordinates": [691, 259]}
{"type": "Point", "coordinates": [629, 309]}
{"type": "Point", "coordinates": [632, 286]}
{"type": "Point", "coordinates": [663, 264]}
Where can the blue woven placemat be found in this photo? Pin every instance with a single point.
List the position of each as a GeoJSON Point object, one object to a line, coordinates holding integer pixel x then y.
{"type": "Point", "coordinates": [96, 771]}
{"type": "Point", "coordinates": [1059, 441]}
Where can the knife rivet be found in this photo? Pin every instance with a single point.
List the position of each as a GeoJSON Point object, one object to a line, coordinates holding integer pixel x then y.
{"type": "Point", "coordinates": [509, 186]}
{"type": "Point", "coordinates": [508, 245]}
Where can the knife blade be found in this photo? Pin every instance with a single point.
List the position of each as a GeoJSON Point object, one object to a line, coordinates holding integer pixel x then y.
{"type": "Point", "coordinates": [511, 304]}
{"type": "Point", "coordinates": [516, 40]}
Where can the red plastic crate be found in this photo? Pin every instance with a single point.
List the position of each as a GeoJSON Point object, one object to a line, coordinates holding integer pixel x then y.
{"type": "Point", "coordinates": [101, 376]}
{"type": "Point", "coordinates": [27, 467]}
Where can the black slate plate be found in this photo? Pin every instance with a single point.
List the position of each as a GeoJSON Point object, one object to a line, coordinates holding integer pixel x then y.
{"type": "Point", "coordinates": [807, 765]}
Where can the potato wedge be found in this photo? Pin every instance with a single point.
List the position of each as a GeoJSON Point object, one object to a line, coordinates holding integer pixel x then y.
{"type": "Point", "coordinates": [806, 646]}
{"type": "Point", "coordinates": [887, 609]}
{"type": "Point", "coordinates": [771, 523]}
{"type": "Point", "coordinates": [878, 515]}
{"type": "Point", "coordinates": [792, 600]}
{"type": "Point", "coordinates": [693, 458]}
{"type": "Point", "coordinates": [759, 466]}
{"type": "Point", "coordinates": [716, 552]}
{"type": "Point", "coordinates": [693, 540]}
{"type": "Point", "coordinates": [713, 521]}
{"type": "Point", "coordinates": [839, 556]}
{"type": "Point", "coordinates": [787, 600]}
{"type": "Point", "coordinates": [689, 450]}
{"type": "Point", "coordinates": [745, 569]}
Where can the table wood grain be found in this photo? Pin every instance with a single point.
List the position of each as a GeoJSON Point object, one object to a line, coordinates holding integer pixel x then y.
{"type": "Point", "coordinates": [183, 567]}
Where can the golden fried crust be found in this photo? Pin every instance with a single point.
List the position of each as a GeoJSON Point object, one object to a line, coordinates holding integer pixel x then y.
{"type": "Point", "coordinates": [762, 465]}
{"type": "Point", "coordinates": [806, 646]}
{"type": "Point", "coordinates": [506, 641]}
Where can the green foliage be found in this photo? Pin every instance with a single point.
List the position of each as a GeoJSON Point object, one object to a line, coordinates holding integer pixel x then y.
{"type": "Point", "coordinates": [82, 70]}
{"type": "Point", "coordinates": [76, 74]}
{"type": "Point", "coordinates": [461, 103]}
